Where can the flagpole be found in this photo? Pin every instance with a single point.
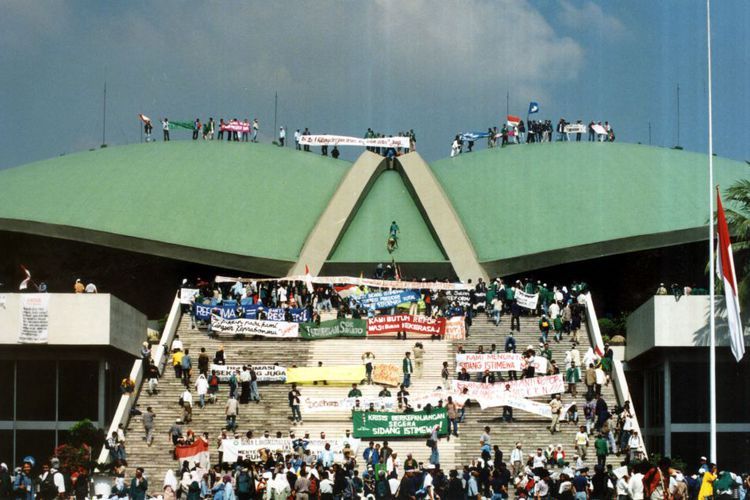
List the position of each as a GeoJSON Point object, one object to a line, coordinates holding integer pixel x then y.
{"type": "Point", "coordinates": [711, 258]}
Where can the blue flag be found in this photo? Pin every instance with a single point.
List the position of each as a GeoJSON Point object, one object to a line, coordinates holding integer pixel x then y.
{"type": "Point", "coordinates": [533, 107]}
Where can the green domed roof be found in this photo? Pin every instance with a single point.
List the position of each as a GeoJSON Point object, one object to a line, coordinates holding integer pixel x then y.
{"type": "Point", "coordinates": [251, 200]}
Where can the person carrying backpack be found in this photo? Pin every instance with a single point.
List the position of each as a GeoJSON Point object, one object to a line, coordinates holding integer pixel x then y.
{"type": "Point", "coordinates": [51, 481]}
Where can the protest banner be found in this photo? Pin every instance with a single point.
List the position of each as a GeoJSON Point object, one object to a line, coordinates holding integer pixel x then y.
{"type": "Point", "coordinates": [202, 311]}
{"type": "Point", "coordinates": [337, 373]}
{"type": "Point", "coordinates": [229, 309]}
{"type": "Point", "coordinates": [387, 374]}
{"type": "Point", "coordinates": [497, 362]}
{"type": "Point", "coordinates": [34, 323]}
{"type": "Point", "coordinates": [351, 280]}
{"type": "Point", "coordinates": [395, 323]}
{"type": "Point", "coordinates": [463, 297]}
{"type": "Point", "coordinates": [297, 314]}
{"type": "Point", "coordinates": [244, 326]}
{"type": "Point", "coordinates": [187, 294]}
{"type": "Point", "coordinates": [420, 400]}
{"type": "Point", "coordinates": [525, 388]}
{"type": "Point", "coordinates": [575, 128]}
{"type": "Point", "coordinates": [236, 449]}
{"type": "Point", "coordinates": [527, 300]}
{"type": "Point", "coordinates": [535, 407]}
{"type": "Point", "coordinates": [455, 328]}
{"type": "Point", "coordinates": [265, 373]}
{"type": "Point", "coordinates": [376, 424]}
{"type": "Point", "coordinates": [235, 126]}
{"type": "Point", "coordinates": [342, 140]}
{"type": "Point", "coordinates": [333, 328]}
{"type": "Point", "coordinates": [386, 299]}
{"type": "Point", "coordinates": [599, 130]}
{"type": "Point", "coordinates": [321, 405]}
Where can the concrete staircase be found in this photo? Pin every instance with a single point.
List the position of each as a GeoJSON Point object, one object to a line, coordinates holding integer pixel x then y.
{"type": "Point", "coordinates": [529, 429]}
{"type": "Point", "coordinates": [273, 413]}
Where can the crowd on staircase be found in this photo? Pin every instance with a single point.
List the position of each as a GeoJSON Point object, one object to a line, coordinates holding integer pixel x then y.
{"type": "Point", "coordinates": [604, 429]}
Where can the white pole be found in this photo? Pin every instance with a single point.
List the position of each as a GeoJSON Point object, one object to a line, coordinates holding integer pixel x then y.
{"type": "Point", "coordinates": [712, 277]}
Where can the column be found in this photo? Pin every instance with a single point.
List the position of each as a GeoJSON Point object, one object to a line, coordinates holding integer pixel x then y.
{"type": "Point", "coordinates": [102, 393]}
{"type": "Point", "coordinates": [667, 407]}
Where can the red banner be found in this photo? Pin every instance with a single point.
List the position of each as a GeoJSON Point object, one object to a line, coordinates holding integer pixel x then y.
{"type": "Point", "coordinates": [405, 323]}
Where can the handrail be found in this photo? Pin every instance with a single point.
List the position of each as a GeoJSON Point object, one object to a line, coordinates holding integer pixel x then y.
{"type": "Point", "coordinates": [122, 414]}
{"type": "Point", "coordinates": [622, 392]}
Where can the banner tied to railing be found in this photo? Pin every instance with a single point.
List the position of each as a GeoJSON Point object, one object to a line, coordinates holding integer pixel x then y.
{"type": "Point", "coordinates": [242, 326]}
{"type": "Point", "coordinates": [251, 449]}
{"type": "Point", "coordinates": [395, 323]}
{"type": "Point", "coordinates": [350, 280]}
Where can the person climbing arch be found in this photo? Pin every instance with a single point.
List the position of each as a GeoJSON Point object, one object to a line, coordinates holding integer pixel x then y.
{"type": "Point", "coordinates": [393, 237]}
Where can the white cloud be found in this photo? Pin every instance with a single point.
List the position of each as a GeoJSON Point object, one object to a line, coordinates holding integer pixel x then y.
{"type": "Point", "coordinates": [590, 17]}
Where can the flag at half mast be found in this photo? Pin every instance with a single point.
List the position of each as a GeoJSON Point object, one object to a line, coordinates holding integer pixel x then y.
{"type": "Point", "coordinates": [725, 269]}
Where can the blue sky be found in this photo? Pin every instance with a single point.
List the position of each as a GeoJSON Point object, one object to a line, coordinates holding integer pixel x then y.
{"type": "Point", "coordinates": [438, 67]}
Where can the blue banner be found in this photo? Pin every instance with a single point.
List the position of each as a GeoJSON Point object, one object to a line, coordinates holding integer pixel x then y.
{"type": "Point", "coordinates": [229, 309]}
{"type": "Point", "coordinates": [299, 315]}
{"type": "Point", "coordinates": [387, 299]}
{"type": "Point", "coordinates": [202, 312]}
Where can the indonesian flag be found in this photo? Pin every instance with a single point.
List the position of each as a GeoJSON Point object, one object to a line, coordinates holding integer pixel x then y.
{"type": "Point", "coordinates": [725, 269]}
{"type": "Point", "coordinates": [25, 283]}
{"type": "Point", "coordinates": [144, 118]}
{"type": "Point", "coordinates": [513, 120]}
{"type": "Point", "coordinates": [345, 291]}
{"type": "Point", "coordinates": [196, 453]}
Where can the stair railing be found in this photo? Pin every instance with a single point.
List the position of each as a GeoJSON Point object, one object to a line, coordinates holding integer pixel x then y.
{"type": "Point", "coordinates": [622, 392]}
{"type": "Point", "coordinates": [159, 355]}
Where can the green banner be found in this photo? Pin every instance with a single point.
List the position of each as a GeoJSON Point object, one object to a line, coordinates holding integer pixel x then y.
{"type": "Point", "coordinates": [379, 424]}
{"type": "Point", "coordinates": [187, 125]}
{"type": "Point", "coordinates": [333, 328]}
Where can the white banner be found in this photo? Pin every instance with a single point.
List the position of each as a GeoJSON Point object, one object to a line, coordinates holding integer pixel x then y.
{"type": "Point", "coordinates": [535, 407]}
{"type": "Point", "coordinates": [235, 449]}
{"type": "Point", "coordinates": [34, 322]}
{"type": "Point", "coordinates": [265, 373]}
{"type": "Point", "coordinates": [489, 395]}
{"type": "Point", "coordinates": [498, 362]}
{"type": "Point", "coordinates": [575, 128]}
{"type": "Point", "coordinates": [349, 280]}
{"type": "Point", "coordinates": [455, 328]}
{"type": "Point", "coordinates": [342, 140]}
{"type": "Point", "coordinates": [320, 405]}
{"type": "Point", "coordinates": [598, 129]}
{"type": "Point", "coordinates": [527, 300]}
{"type": "Point", "coordinates": [244, 326]}
{"type": "Point", "coordinates": [188, 293]}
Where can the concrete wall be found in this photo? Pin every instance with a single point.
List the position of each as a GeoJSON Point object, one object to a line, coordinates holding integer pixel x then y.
{"type": "Point", "coordinates": [663, 321]}
{"type": "Point", "coordinates": [81, 320]}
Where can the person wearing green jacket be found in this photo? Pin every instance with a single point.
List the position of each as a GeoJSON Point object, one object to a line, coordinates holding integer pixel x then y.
{"type": "Point", "coordinates": [572, 377]}
{"type": "Point", "coordinates": [602, 449]}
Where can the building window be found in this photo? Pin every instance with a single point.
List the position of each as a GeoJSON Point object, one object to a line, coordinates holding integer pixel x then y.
{"type": "Point", "coordinates": [38, 444]}
{"type": "Point", "coordinates": [655, 395]}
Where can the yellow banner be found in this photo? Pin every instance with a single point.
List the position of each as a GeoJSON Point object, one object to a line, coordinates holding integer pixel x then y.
{"type": "Point", "coordinates": [387, 374]}
{"type": "Point", "coordinates": [341, 374]}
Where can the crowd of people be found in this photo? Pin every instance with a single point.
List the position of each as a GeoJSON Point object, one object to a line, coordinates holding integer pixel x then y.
{"type": "Point", "coordinates": [533, 131]}
{"type": "Point", "coordinates": [558, 470]}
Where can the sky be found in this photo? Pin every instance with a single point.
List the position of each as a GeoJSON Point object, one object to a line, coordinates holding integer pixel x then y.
{"type": "Point", "coordinates": [339, 67]}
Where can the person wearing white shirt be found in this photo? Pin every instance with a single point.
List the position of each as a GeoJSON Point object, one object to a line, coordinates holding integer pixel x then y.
{"type": "Point", "coordinates": [634, 443]}
{"type": "Point", "coordinates": [282, 136]}
{"type": "Point", "coordinates": [622, 488]}
{"type": "Point", "coordinates": [176, 343]}
{"type": "Point", "coordinates": [187, 406]}
{"type": "Point", "coordinates": [326, 485]}
{"type": "Point", "coordinates": [635, 486]}
{"type": "Point", "coordinates": [541, 487]}
{"type": "Point", "coordinates": [201, 386]}
{"type": "Point", "coordinates": [539, 459]}
{"type": "Point", "coordinates": [297, 136]}
{"type": "Point", "coordinates": [516, 459]}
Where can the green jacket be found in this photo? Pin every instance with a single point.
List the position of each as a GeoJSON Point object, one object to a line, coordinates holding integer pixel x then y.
{"type": "Point", "coordinates": [408, 365]}
{"type": "Point", "coordinates": [602, 448]}
{"type": "Point", "coordinates": [572, 376]}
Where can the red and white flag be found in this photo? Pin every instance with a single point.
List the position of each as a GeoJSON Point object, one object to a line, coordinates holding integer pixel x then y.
{"type": "Point", "coordinates": [25, 283]}
{"type": "Point", "coordinates": [144, 118]}
{"type": "Point", "coordinates": [725, 269]}
{"type": "Point", "coordinates": [308, 280]}
{"type": "Point", "coordinates": [513, 120]}
{"type": "Point", "coordinates": [196, 453]}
